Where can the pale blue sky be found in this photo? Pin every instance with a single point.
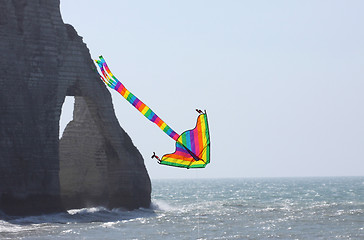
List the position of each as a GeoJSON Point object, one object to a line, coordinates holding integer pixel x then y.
{"type": "Point", "coordinates": [282, 81]}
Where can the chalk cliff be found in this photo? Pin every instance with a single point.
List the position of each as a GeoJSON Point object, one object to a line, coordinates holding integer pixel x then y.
{"type": "Point", "coordinates": [42, 61]}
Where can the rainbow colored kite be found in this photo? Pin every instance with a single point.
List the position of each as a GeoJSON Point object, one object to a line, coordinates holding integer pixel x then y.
{"type": "Point", "coordinates": [192, 146]}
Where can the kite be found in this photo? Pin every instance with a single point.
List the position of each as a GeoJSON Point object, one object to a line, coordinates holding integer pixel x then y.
{"type": "Point", "coordinates": [192, 146]}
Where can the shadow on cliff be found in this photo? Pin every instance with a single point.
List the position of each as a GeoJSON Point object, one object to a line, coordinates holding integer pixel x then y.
{"type": "Point", "coordinates": [84, 215]}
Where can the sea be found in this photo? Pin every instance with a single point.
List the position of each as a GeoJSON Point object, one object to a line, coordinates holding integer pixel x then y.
{"type": "Point", "coordinates": [251, 208]}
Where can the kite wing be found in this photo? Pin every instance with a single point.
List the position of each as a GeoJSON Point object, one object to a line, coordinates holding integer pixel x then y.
{"type": "Point", "coordinates": [192, 147]}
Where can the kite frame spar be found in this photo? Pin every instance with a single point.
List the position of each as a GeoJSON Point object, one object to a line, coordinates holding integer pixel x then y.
{"type": "Point", "coordinates": [192, 146]}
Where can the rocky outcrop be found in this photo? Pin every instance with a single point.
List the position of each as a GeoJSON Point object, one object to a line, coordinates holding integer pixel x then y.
{"type": "Point", "coordinates": [42, 61]}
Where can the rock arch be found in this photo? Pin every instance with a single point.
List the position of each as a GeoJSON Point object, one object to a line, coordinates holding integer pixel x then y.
{"type": "Point", "coordinates": [45, 61]}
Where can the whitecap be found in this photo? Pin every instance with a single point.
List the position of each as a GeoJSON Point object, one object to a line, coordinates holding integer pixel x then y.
{"type": "Point", "coordinates": [86, 210]}
{"type": "Point", "coordinates": [160, 205]}
{"type": "Point", "coordinates": [6, 227]}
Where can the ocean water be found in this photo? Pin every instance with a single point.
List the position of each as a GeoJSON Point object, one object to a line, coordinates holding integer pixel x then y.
{"type": "Point", "coordinates": [265, 208]}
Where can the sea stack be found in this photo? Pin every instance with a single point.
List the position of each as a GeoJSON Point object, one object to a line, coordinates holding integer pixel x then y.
{"type": "Point", "coordinates": [95, 163]}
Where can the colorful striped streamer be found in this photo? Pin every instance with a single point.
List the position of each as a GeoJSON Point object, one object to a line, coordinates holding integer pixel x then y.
{"type": "Point", "coordinates": [115, 84]}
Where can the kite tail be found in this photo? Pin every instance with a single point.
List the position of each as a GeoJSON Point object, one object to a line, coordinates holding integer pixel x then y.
{"type": "Point", "coordinates": [109, 79]}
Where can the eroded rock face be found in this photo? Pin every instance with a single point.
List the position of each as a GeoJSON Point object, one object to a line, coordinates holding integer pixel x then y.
{"type": "Point", "coordinates": [92, 171]}
{"type": "Point", "coordinates": [42, 61]}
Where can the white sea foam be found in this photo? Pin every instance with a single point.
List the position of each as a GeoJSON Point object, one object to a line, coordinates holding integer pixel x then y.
{"type": "Point", "coordinates": [86, 210]}
{"type": "Point", "coordinates": [161, 205]}
{"type": "Point", "coordinates": [110, 224]}
{"type": "Point", "coordinates": [6, 227]}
